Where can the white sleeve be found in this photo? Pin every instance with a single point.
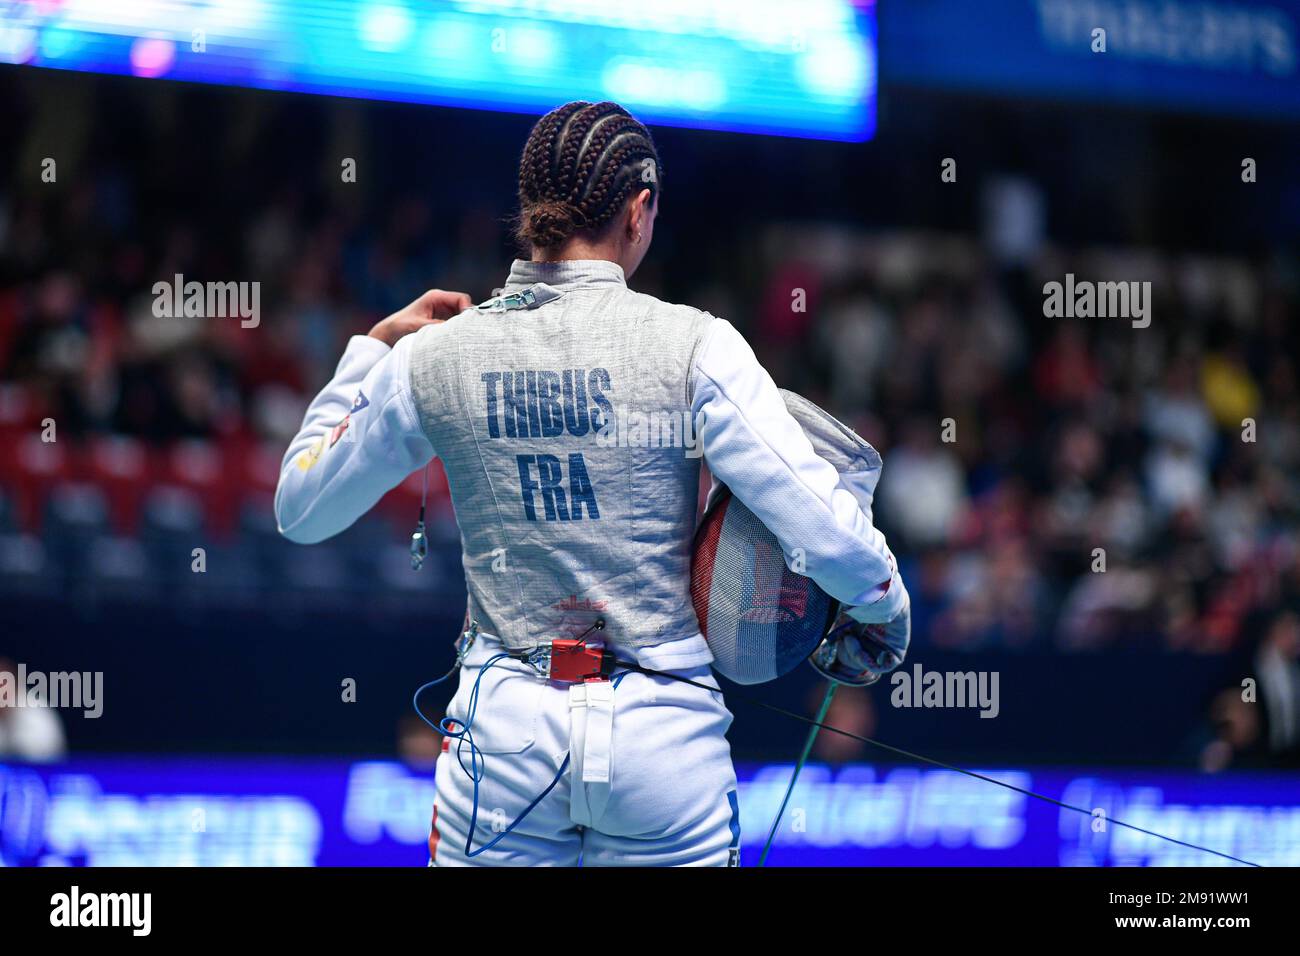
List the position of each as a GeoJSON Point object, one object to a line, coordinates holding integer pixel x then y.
{"type": "Point", "coordinates": [360, 438]}
{"type": "Point", "coordinates": [754, 446]}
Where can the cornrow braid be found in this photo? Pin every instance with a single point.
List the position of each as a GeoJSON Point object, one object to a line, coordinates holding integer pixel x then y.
{"type": "Point", "coordinates": [581, 163]}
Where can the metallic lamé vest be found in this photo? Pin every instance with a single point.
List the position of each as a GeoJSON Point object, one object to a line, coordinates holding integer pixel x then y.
{"type": "Point", "coordinates": [560, 526]}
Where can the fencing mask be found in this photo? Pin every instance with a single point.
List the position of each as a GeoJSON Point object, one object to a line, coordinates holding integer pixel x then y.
{"type": "Point", "coordinates": [760, 618]}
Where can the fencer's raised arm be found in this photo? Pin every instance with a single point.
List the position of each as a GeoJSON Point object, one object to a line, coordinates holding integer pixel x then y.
{"type": "Point", "coordinates": [752, 444]}
{"type": "Point", "coordinates": [360, 438]}
{"type": "Point", "coordinates": [361, 435]}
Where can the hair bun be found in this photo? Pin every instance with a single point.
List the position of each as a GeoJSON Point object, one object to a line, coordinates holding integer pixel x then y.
{"type": "Point", "coordinates": [551, 222]}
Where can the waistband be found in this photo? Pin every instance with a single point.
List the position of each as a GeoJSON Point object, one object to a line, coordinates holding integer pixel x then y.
{"type": "Point", "coordinates": [681, 654]}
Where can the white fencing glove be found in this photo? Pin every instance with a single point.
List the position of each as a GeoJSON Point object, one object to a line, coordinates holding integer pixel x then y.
{"type": "Point", "coordinates": [859, 654]}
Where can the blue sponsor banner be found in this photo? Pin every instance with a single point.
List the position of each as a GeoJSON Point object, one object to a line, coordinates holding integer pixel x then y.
{"type": "Point", "coordinates": [1237, 58]}
{"type": "Point", "coordinates": [294, 812]}
{"type": "Point", "coordinates": [768, 66]}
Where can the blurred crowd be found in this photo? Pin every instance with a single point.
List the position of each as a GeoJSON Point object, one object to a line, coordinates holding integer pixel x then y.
{"type": "Point", "coordinates": [1079, 481]}
{"type": "Point", "coordinates": [80, 334]}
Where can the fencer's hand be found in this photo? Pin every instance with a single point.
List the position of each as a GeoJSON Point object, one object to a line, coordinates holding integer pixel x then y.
{"type": "Point", "coordinates": [434, 306]}
{"type": "Point", "coordinates": [860, 654]}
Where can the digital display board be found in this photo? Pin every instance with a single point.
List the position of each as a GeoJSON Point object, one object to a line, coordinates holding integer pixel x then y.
{"type": "Point", "coordinates": [804, 69]}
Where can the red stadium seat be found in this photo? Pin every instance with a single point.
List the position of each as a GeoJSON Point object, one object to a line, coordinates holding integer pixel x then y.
{"type": "Point", "coordinates": [120, 466]}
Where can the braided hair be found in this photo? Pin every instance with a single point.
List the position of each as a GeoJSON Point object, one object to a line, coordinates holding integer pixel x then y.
{"type": "Point", "coordinates": [581, 163]}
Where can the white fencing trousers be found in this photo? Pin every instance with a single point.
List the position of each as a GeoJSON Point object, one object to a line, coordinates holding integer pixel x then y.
{"type": "Point", "coordinates": [649, 783]}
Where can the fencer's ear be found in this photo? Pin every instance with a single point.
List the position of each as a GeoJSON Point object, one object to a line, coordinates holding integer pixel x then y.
{"type": "Point", "coordinates": [638, 209]}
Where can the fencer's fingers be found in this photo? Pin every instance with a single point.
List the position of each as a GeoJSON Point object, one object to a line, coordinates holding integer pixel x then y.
{"type": "Point", "coordinates": [442, 304]}
{"type": "Point", "coordinates": [456, 303]}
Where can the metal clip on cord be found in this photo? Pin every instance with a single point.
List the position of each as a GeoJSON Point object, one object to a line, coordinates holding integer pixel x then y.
{"type": "Point", "coordinates": [539, 659]}
{"type": "Point", "coordinates": [420, 539]}
{"type": "Point", "coordinates": [465, 642]}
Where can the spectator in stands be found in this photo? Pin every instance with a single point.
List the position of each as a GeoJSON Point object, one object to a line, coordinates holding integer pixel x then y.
{"type": "Point", "coordinates": [923, 487]}
{"type": "Point", "coordinates": [1278, 665]}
